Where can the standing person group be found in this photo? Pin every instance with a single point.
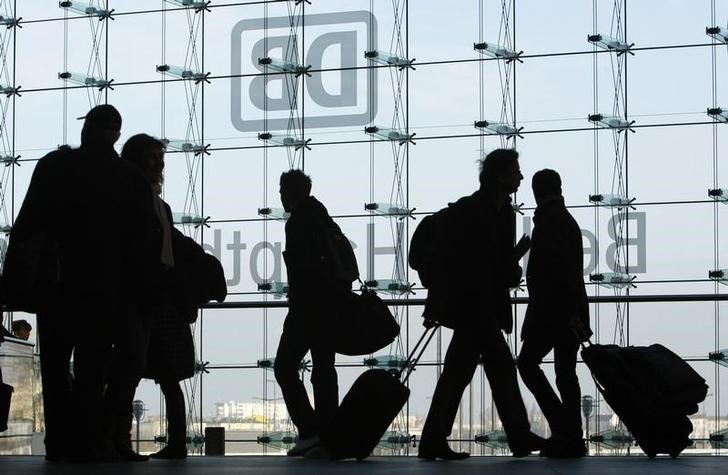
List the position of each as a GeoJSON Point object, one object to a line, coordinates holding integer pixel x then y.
{"type": "Point", "coordinates": [104, 280]}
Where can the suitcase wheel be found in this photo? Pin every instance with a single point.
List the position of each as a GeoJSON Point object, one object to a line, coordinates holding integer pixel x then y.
{"type": "Point", "coordinates": [674, 454]}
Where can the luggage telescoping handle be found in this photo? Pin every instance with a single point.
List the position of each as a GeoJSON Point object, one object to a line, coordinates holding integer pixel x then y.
{"type": "Point", "coordinates": [409, 365]}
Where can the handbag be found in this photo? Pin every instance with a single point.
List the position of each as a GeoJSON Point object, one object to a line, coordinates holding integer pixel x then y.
{"type": "Point", "coordinates": [365, 324]}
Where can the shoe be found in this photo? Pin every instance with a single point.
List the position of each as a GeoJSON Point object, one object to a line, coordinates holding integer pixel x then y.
{"type": "Point", "coordinates": [523, 446]}
{"type": "Point", "coordinates": [171, 452]}
{"type": "Point", "coordinates": [440, 451]}
{"type": "Point", "coordinates": [126, 454]}
{"type": "Point", "coordinates": [560, 447]}
{"type": "Point", "coordinates": [303, 445]}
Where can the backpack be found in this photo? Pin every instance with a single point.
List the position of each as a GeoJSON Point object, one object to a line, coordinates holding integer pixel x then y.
{"type": "Point", "coordinates": [338, 256]}
{"type": "Point", "coordinates": [427, 251]}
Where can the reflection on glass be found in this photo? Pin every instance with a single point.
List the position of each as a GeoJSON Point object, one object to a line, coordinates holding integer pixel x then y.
{"type": "Point", "coordinates": [609, 43]}
{"type": "Point", "coordinates": [279, 214]}
{"type": "Point", "coordinates": [389, 134]}
{"type": "Point", "coordinates": [612, 201]}
{"type": "Point", "coordinates": [496, 439]}
{"type": "Point", "coordinates": [497, 51]}
{"type": "Point", "coordinates": [388, 209]}
{"type": "Point", "coordinates": [84, 9]}
{"type": "Point", "coordinates": [613, 280]}
{"type": "Point", "coordinates": [283, 66]}
{"type": "Point", "coordinates": [389, 59]}
{"type": "Point", "coordinates": [85, 80]}
{"type": "Point", "coordinates": [390, 286]}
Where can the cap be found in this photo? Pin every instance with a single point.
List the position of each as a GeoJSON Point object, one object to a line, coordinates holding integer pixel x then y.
{"type": "Point", "coordinates": [104, 116]}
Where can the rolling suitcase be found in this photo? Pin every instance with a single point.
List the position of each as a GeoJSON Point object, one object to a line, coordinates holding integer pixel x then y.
{"type": "Point", "coordinates": [370, 406]}
{"type": "Point", "coordinates": [652, 390]}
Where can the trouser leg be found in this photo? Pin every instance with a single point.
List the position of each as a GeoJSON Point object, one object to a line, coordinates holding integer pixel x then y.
{"type": "Point", "coordinates": [500, 370]}
{"type": "Point", "coordinates": [532, 354]}
{"type": "Point", "coordinates": [459, 366]}
{"type": "Point", "coordinates": [174, 400]}
{"type": "Point", "coordinates": [325, 384]}
{"type": "Point", "coordinates": [568, 385]}
{"type": "Point", "coordinates": [291, 350]}
{"type": "Point", "coordinates": [56, 345]}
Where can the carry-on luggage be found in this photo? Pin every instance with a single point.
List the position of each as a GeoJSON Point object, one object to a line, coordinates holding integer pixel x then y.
{"type": "Point", "coordinates": [652, 390]}
{"type": "Point", "coordinates": [370, 406]}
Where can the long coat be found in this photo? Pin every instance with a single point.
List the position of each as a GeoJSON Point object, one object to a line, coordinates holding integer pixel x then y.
{"type": "Point", "coordinates": [555, 275]}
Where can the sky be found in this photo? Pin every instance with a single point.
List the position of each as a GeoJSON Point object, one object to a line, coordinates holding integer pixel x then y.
{"type": "Point", "coordinates": [665, 164]}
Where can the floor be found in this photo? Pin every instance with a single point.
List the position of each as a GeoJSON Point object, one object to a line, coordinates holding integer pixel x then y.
{"type": "Point", "coordinates": [22, 465]}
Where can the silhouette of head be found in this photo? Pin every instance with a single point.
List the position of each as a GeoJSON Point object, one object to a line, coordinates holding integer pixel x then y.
{"type": "Point", "coordinates": [499, 171]}
{"type": "Point", "coordinates": [295, 187]}
{"type": "Point", "coordinates": [147, 153]}
{"type": "Point", "coordinates": [21, 329]}
{"type": "Point", "coordinates": [546, 184]}
{"type": "Point", "coordinates": [101, 126]}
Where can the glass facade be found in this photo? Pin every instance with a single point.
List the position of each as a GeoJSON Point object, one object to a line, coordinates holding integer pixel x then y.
{"type": "Point", "coordinates": [388, 105]}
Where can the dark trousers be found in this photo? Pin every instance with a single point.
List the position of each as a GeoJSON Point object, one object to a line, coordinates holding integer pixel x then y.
{"type": "Point", "coordinates": [174, 401]}
{"type": "Point", "coordinates": [466, 348]}
{"type": "Point", "coordinates": [128, 363]}
{"type": "Point", "coordinates": [72, 405]}
{"type": "Point", "coordinates": [304, 331]}
{"type": "Point", "coordinates": [563, 415]}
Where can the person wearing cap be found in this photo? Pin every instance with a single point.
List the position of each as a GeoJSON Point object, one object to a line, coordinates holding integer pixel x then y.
{"type": "Point", "coordinates": [91, 212]}
{"type": "Point", "coordinates": [557, 317]}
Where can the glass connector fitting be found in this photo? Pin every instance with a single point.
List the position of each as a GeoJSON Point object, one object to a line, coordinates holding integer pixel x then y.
{"type": "Point", "coordinates": [389, 134]}
{"type": "Point", "coordinates": [283, 66]}
{"type": "Point", "coordinates": [388, 209]}
{"type": "Point", "coordinates": [611, 122]}
{"type": "Point", "coordinates": [5, 228]}
{"type": "Point", "coordinates": [279, 214]}
{"type": "Point", "coordinates": [180, 72]}
{"type": "Point", "coordinates": [719, 194]}
{"type": "Point", "coordinates": [269, 363]}
{"type": "Point", "coordinates": [386, 362]}
{"type": "Point", "coordinates": [278, 289]}
{"type": "Point", "coordinates": [8, 21]}
{"type": "Point", "coordinates": [610, 44]}
{"type": "Point", "coordinates": [189, 3]}
{"type": "Point", "coordinates": [611, 201]}
{"type": "Point", "coordinates": [85, 80]}
{"type": "Point", "coordinates": [720, 357]}
{"type": "Point", "coordinates": [719, 439]}
{"type": "Point", "coordinates": [498, 128]}
{"type": "Point", "coordinates": [495, 439]}
{"type": "Point", "coordinates": [394, 440]}
{"type": "Point", "coordinates": [285, 140]}
{"type": "Point", "coordinates": [278, 440]}
{"type": "Point", "coordinates": [719, 275]}
{"type": "Point", "coordinates": [612, 438]}
{"type": "Point", "coordinates": [8, 160]}
{"type": "Point", "coordinates": [718, 33]}
{"type": "Point", "coordinates": [85, 9]}
{"type": "Point", "coordinates": [390, 286]}
{"type": "Point", "coordinates": [613, 280]}
{"type": "Point", "coordinates": [184, 146]}
{"type": "Point", "coordinates": [186, 218]}
{"type": "Point", "coordinates": [718, 113]}
{"type": "Point", "coordinates": [497, 51]}
{"type": "Point", "coordinates": [389, 59]}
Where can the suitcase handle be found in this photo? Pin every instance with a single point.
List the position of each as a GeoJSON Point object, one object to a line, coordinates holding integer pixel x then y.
{"type": "Point", "coordinates": [409, 365]}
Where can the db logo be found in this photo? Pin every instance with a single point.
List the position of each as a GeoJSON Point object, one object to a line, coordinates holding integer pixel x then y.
{"type": "Point", "coordinates": [343, 95]}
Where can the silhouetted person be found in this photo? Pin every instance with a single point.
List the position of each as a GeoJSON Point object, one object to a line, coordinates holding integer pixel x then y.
{"type": "Point", "coordinates": [94, 210]}
{"type": "Point", "coordinates": [311, 297]}
{"type": "Point", "coordinates": [132, 341]}
{"type": "Point", "coordinates": [481, 236]}
{"type": "Point", "coordinates": [557, 312]}
{"type": "Point", "coordinates": [21, 329]}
